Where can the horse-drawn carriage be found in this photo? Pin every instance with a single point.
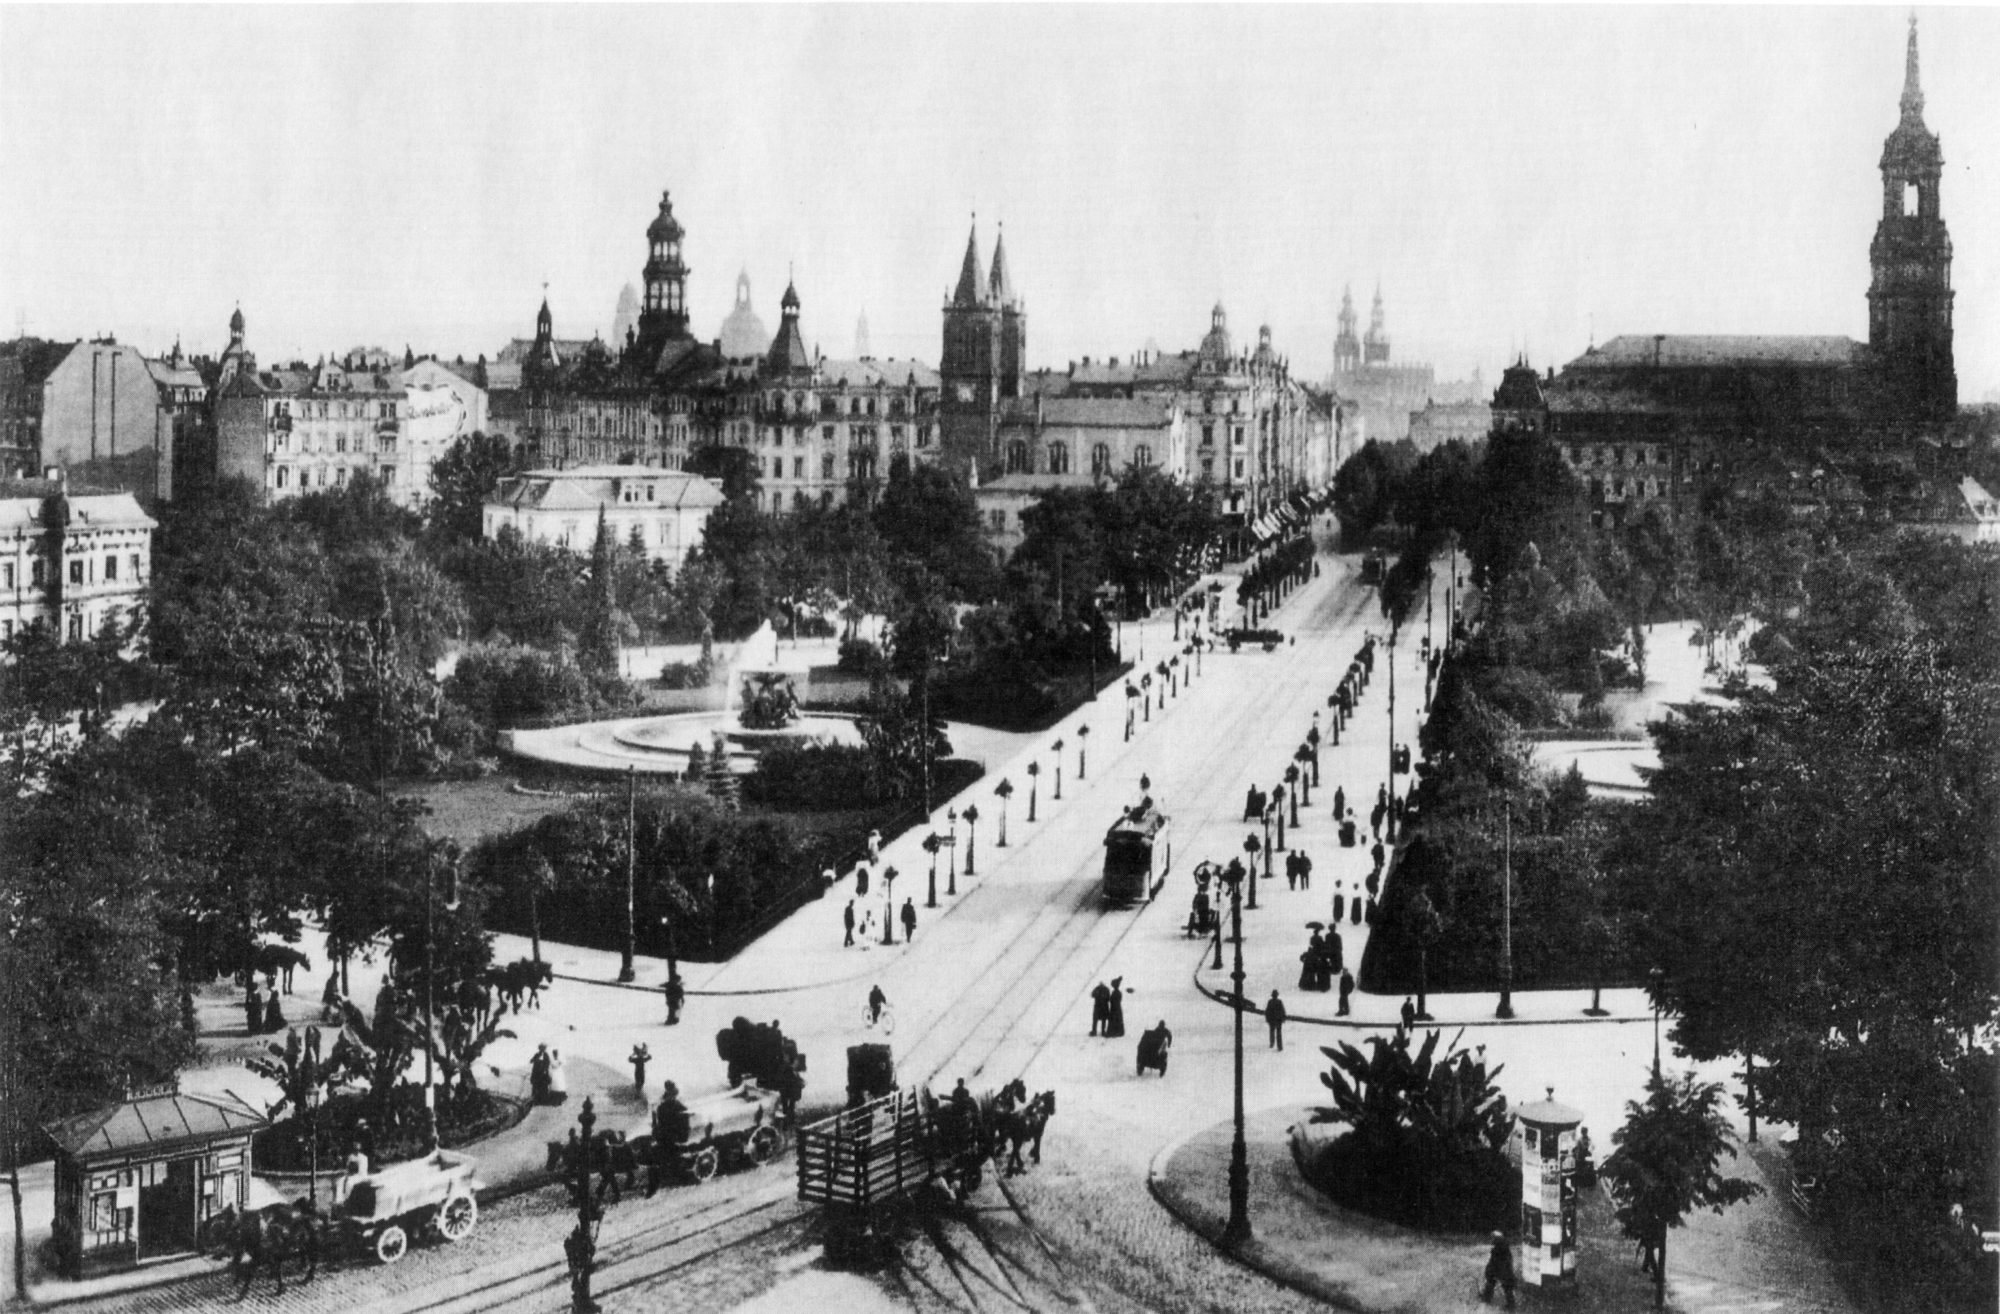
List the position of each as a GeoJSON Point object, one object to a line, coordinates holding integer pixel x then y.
{"type": "Point", "coordinates": [378, 1213]}
{"type": "Point", "coordinates": [745, 1124]}
{"type": "Point", "coordinates": [384, 1210]}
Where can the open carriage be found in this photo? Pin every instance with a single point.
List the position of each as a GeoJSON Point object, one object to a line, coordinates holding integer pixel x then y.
{"type": "Point", "coordinates": [384, 1211]}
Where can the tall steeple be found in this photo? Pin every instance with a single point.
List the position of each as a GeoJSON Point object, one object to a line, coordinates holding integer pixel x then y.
{"type": "Point", "coordinates": [1375, 347]}
{"type": "Point", "coordinates": [971, 289]}
{"type": "Point", "coordinates": [1909, 295]}
{"type": "Point", "coordinates": [1347, 344]}
{"type": "Point", "coordinates": [788, 353]}
{"type": "Point", "coordinates": [1001, 287]}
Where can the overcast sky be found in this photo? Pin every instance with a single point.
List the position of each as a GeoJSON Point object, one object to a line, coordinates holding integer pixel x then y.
{"type": "Point", "coordinates": [1513, 177]}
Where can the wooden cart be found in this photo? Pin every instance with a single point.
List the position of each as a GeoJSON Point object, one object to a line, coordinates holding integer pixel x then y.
{"type": "Point", "coordinates": [384, 1211]}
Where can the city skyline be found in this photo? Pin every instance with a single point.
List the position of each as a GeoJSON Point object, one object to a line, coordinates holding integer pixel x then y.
{"type": "Point", "coordinates": [1516, 180]}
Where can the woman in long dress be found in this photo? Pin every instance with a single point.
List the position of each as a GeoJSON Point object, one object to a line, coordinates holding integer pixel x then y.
{"type": "Point", "coordinates": [558, 1078]}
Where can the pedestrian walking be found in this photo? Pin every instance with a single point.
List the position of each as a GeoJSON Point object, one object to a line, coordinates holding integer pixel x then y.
{"type": "Point", "coordinates": [253, 1010]}
{"type": "Point", "coordinates": [558, 1078]}
{"type": "Point", "coordinates": [1305, 871]}
{"type": "Point", "coordinates": [847, 920]}
{"type": "Point", "coordinates": [1291, 871]}
{"type": "Point", "coordinates": [1100, 1009]}
{"type": "Point", "coordinates": [274, 1013]}
{"type": "Point", "coordinates": [1346, 990]}
{"type": "Point", "coordinates": [1116, 1025]}
{"type": "Point", "coordinates": [1339, 802]}
{"type": "Point", "coordinates": [676, 996]}
{"type": "Point", "coordinates": [1336, 956]}
{"type": "Point", "coordinates": [909, 919]}
{"type": "Point", "coordinates": [1409, 1013]}
{"type": "Point", "coordinates": [538, 1074]}
{"type": "Point", "coordinates": [1354, 909]}
{"type": "Point", "coordinates": [1382, 797]}
{"type": "Point", "coordinates": [1374, 882]}
{"type": "Point", "coordinates": [1375, 819]}
{"type": "Point", "coordinates": [1252, 808]}
{"type": "Point", "coordinates": [1369, 916]}
{"type": "Point", "coordinates": [860, 879]}
{"type": "Point", "coordinates": [639, 1058]}
{"type": "Point", "coordinates": [1274, 1018]}
{"type": "Point", "coordinates": [1375, 855]}
{"type": "Point", "coordinates": [1348, 838]}
{"type": "Point", "coordinates": [1499, 1269]}
{"type": "Point", "coordinates": [1339, 903]}
{"type": "Point", "coordinates": [874, 847]}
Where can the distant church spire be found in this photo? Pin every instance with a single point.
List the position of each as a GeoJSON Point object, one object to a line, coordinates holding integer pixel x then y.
{"type": "Point", "coordinates": [1913, 92]}
{"type": "Point", "coordinates": [1002, 286]}
{"type": "Point", "coordinates": [971, 286]}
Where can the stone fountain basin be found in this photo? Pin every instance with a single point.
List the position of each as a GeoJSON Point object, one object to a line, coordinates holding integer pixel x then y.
{"type": "Point", "coordinates": [677, 734]}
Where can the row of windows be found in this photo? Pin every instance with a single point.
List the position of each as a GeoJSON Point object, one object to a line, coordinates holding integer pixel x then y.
{"type": "Point", "coordinates": [1596, 455]}
{"type": "Point", "coordinates": [82, 570]}
{"type": "Point", "coordinates": [319, 410]}
{"type": "Point", "coordinates": [315, 476]}
{"type": "Point", "coordinates": [74, 628]}
{"type": "Point", "coordinates": [806, 403]}
{"type": "Point", "coordinates": [340, 445]}
{"type": "Point", "coordinates": [1056, 456]}
{"type": "Point", "coordinates": [1619, 488]}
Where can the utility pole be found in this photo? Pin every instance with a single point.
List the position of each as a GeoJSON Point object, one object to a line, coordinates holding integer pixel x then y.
{"type": "Point", "coordinates": [1237, 1232]}
{"type": "Point", "coordinates": [1506, 1008]}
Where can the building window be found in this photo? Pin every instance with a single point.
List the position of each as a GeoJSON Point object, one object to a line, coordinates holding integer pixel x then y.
{"type": "Point", "coordinates": [76, 628]}
{"type": "Point", "coordinates": [1208, 435]}
{"type": "Point", "coordinates": [76, 571]}
{"type": "Point", "coordinates": [135, 565]}
{"type": "Point", "coordinates": [1017, 457]}
{"type": "Point", "coordinates": [826, 465]}
{"type": "Point", "coordinates": [1142, 455]}
{"type": "Point", "coordinates": [110, 566]}
{"type": "Point", "coordinates": [1239, 467]}
{"type": "Point", "coordinates": [777, 467]}
{"type": "Point", "coordinates": [1100, 459]}
{"type": "Point", "coordinates": [827, 433]}
{"type": "Point", "coordinates": [798, 467]}
{"type": "Point", "coordinates": [36, 573]}
{"type": "Point", "coordinates": [999, 521]}
{"type": "Point", "coordinates": [1207, 467]}
{"type": "Point", "coordinates": [1058, 458]}
{"type": "Point", "coordinates": [284, 476]}
{"type": "Point", "coordinates": [340, 443]}
{"type": "Point", "coordinates": [1236, 436]}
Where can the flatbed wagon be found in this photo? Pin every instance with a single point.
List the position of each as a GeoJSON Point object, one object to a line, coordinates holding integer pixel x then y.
{"type": "Point", "coordinates": [385, 1210]}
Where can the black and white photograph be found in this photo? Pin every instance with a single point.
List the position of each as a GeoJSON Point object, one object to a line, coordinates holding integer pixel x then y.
{"type": "Point", "coordinates": [865, 658]}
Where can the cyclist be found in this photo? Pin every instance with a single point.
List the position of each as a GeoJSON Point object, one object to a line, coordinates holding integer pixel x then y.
{"type": "Point", "coordinates": [877, 1001]}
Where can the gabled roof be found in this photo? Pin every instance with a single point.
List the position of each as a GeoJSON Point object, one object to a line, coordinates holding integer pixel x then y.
{"type": "Point", "coordinates": [887, 372]}
{"type": "Point", "coordinates": [155, 1121]}
{"type": "Point", "coordinates": [591, 487]}
{"type": "Point", "coordinates": [174, 376]}
{"type": "Point", "coordinates": [1696, 351]}
{"type": "Point", "coordinates": [1090, 413]}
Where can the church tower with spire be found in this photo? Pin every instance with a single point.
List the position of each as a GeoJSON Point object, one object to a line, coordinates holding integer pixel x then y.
{"type": "Point", "coordinates": [1375, 347]}
{"type": "Point", "coordinates": [1013, 322]}
{"type": "Point", "coordinates": [1909, 294]}
{"type": "Point", "coordinates": [971, 371]}
{"type": "Point", "coordinates": [1347, 345]}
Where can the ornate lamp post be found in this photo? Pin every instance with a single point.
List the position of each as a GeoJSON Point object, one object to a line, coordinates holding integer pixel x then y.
{"type": "Point", "coordinates": [1174, 675]}
{"type": "Point", "coordinates": [626, 974]}
{"type": "Point", "coordinates": [1252, 847]}
{"type": "Point", "coordinates": [1131, 693]}
{"type": "Point", "coordinates": [1292, 791]}
{"type": "Point", "coordinates": [1656, 984]}
{"type": "Point", "coordinates": [1004, 791]}
{"type": "Point", "coordinates": [1238, 1230]}
{"type": "Point", "coordinates": [931, 846]}
{"type": "Point", "coordinates": [580, 1249]}
{"type": "Point", "coordinates": [1389, 823]}
{"type": "Point", "coordinates": [1312, 751]}
{"type": "Point", "coordinates": [1034, 775]}
{"type": "Point", "coordinates": [1303, 756]}
{"type": "Point", "coordinates": [1160, 669]}
{"type": "Point", "coordinates": [1057, 749]}
{"type": "Point", "coordinates": [971, 842]}
{"type": "Point", "coordinates": [1082, 743]}
{"type": "Point", "coordinates": [1146, 696]}
{"type": "Point", "coordinates": [951, 846]}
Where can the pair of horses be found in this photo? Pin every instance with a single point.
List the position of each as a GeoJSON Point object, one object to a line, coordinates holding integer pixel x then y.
{"type": "Point", "coordinates": [609, 1156]}
{"type": "Point", "coordinates": [1005, 1125]}
{"type": "Point", "coordinates": [267, 1238]}
{"type": "Point", "coordinates": [521, 979]}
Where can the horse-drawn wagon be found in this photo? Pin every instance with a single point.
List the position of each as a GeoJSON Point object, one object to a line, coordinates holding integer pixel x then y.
{"type": "Point", "coordinates": [385, 1210]}
{"type": "Point", "coordinates": [743, 1124]}
{"type": "Point", "coordinates": [764, 1054]}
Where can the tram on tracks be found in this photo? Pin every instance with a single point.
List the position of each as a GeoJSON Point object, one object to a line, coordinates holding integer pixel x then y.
{"type": "Point", "coordinates": [1138, 855]}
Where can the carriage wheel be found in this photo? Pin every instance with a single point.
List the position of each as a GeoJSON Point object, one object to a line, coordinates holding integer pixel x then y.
{"type": "Point", "coordinates": [762, 1146]}
{"type": "Point", "coordinates": [391, 1244]}
{"type": "Point", "coordinates": [457, 1216]}
{"type": "Point", "coordinates": [704, 1163]}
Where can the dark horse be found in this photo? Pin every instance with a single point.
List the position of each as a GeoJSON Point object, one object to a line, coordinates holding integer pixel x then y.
{"type": "Point", "coordinates": [280, 960]}
{"type": "Point", "coordinates": [1015, 1127]}
{"type": "Point", "coordinates": [610, 1156]}
{"type": "Point", "coordinates": [523, 976]}
{"type": "Point", "coordinates": [266, 1238]}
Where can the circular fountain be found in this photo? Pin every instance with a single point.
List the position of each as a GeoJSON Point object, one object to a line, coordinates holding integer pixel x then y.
{"type": "Point", "coordinates": [760, 710]}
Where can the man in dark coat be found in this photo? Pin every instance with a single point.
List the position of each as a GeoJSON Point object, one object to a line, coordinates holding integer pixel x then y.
{"type": "Point", "coordinates": [1409, 1013]}
{"type": "Point", "coordinates": [909, 920]}
{"type": "Point", "coordinates": [1100, 1009]}
{"type": "Point", "coordinates": [1346, 990]}
{"type": "Point", "coordinates": [1339, 801]}
{"type": "Point", "coordinates": [1375, 855]}
{"type": "Point", "coordinates": [1274, 1018]}
{"type": "Point", "coordinates": [253, 1010]}
{"type": "Point", "coordinates": [1252, 807]}
{"type": "Point", "coordinates": [1291, 871]}
{"type": "Point", "coordinates": [1339, 903]}
{"type": "Point", "coordinates": [847, 919]}
{"type": "Point", "coordinates": [1305, 871]}
{"type": "Point", "coordinates": [1336, 954]}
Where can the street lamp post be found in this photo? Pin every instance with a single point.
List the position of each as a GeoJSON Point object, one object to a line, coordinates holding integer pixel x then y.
{"type": "Point", "coordinates": [626, 972]}
{"type": "Point", "coordinates": [581, 1247]}
{"type": "Point", "coordinates": [1278, 793]}
{"type": "Point", "coordinates": [1389, 656]}
{"type": "Point", "coordinates": [1268, 808]}
{"type": "Point", "coordinates": [971, 843]}
{"type": "Point", "coordinates": [951, 846]}
{"type": "Point", "coordinates": [1655, 985]}
{"type": "Point", "coordinates": [931, 846]}
{"type": "Point", "coordinates": [1238, 1230]}
{"type": "Point", "coordinates": [1252, 848]}
{"type": "Point", "coordinates": [1303, 755]}
{"type": "Point", "coordinates": [1004, 791]}
{"type": "Point", "coordinates": [1506, 1008]}
{"type": "Point", "coordinates": [1292, 787]}
{"type": "Point", "coordinates": [1131, 692]}
{"type": "Point", "coordinates": [1312, 751]}
{"type": "Point", "coordinates": [1146, 696]}
{"type": "Point", "coordinates": [889, 905]}
{"type": "Point", "coordinates": [1082, 758]}
{"type": "Point", "coordinates": [1034, 789]}
{"type": "Point", "coordinates": [1057, 748]}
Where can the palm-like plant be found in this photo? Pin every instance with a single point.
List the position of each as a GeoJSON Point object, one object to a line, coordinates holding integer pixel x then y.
{"type": "Point", "coordinates": [299, 1071]}
{"type": "Point", "coordinates": [1419, 1122]}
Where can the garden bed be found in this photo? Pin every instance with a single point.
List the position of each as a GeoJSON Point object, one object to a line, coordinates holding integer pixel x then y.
{"type": "Point", "coordinates": [287, 1146]}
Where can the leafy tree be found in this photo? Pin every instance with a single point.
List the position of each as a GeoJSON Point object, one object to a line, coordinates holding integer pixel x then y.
{"type": "Point", "coordinates": [462, 479]}
{"type": "Point", "coordinates": [1666, 1164]}
{"type": "Point", "coordinates": [928, 515]}
{"type": "Point", "coordinates": [597, 648]}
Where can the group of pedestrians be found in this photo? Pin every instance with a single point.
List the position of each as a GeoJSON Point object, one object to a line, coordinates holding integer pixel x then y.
{"type": "Point", "coordinates": [262, 1013]}
{"type": "Point", "coordinates": [1107, 1009]}
{"type": "Point", "coordinates": [864, 919]}
{"type": "Point", "coordinates": [548, 1079]}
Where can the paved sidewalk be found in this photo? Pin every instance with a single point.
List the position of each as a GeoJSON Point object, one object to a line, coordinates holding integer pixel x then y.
{"type": "Point", "coordinates": [1754, 1257]}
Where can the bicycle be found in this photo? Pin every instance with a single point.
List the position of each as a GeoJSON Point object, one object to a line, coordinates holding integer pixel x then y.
{"type": "Point", "coordinates": [885, 1023]}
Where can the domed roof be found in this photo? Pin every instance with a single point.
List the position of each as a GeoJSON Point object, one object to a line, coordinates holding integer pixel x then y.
{"type": "Point", "coordinates": [665, 228]}
{"type": "Point", "coordinates": [743, 333]}
{"type": "Point", "coordinates": [236, 320]}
